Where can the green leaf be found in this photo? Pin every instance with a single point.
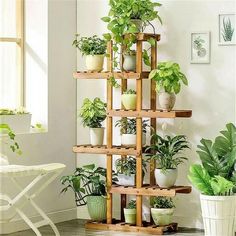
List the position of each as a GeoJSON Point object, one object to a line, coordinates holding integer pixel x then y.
{"type": "Point", "coordinates": [146, 58]}
{"type": "Point", "coordinates": [152, 41]}
{"type": "Point", "coordinates": [106, 19]}
{"type": "Point", "coordinates": [221, 186]}
{"type": "Point", "coordinates": [107, 36]}
{"type": "Point", "coordinates": [89, 167]}
{"type": "Point", "coordinates": [153, 74]}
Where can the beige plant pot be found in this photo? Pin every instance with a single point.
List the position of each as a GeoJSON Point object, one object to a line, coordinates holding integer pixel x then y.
{"type": "Point", "coordinates": [129, 63]}
{"type": "Point", "coordinates": [162, 217]}
{"type": "Point", "coordinates": [167, 178]}
{"type": "Point", "coordinates": [167, 101]}
{"type": "Point", "coordinates": [96, 136]}
{"type": "Point", "coordinates": [129, 101]}
{"type": "Point", "coordinates": [130, 139]}
{"type": "Point", "coordinates": [94, 63]}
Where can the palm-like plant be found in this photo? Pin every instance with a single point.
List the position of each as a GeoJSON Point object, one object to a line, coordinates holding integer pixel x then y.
{"type": "Point", "coordinates": [228, 30]}
{"type": "Point", "coordinates": [166, 150]}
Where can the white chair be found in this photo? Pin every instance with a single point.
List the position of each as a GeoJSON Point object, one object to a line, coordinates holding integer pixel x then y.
{"type": "Point", "coordinates": [42, 175]}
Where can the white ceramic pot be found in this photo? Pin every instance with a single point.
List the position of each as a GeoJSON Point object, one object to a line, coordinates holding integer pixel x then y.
{"type": "Point", "coordinates": [218, 213]}
{"type": "Point", "coordinates": [3, 160]}
{"type": "Point", "coordinates": [94, 63]}
{"type": "Point", "coordinates": [130, 216]}
{"type": "Point", "coordinates": [138, 23]}
{"type": "Point", "coordinates": [129, 101]}
{"type": "Point", "coordinates": [126, 180]}
{"type": "Point", "coordinates": [130, 139]}
{"type": "Point", "coordinates": [96, 136]}
{"type": "Point", "coordinates": [162, 216]}
{"type": "Point", "coordinates": [19, 123]}
{"type": "Point", "coordinates": [166, 101]}
{"type": "Point", "coordinates": [167, 178]}
{"type": "Point", "coordinates": [129, 63]}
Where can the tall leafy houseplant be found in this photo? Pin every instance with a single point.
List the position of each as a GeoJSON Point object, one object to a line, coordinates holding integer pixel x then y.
{"type": "Point", "coordinates": [168, 79]}
{"type": "Point", "coordinates": [94, 48]}
{"type": "Point", "coordinates": [215, 179]}
{"type": "Point", "coordinates": [167, 152]}
{"type": "Point", "coordinates": [93, 113]}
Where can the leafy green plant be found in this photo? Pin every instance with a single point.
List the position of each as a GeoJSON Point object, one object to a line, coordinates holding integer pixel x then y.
{"type": "Point", "coordinates": [18, 111]}
{"type": "Point", "coordinates": [13, 145]}
{"type": "Point", "coordinates": [128, 126]}
{"type": "Point", "coordinates": [129, 91]}
{"type": "Point", "coordinates": [162, 202]}
{"type": "Point", "coordinates": [90, 45]}
{"type": "Point", "coordinates": [168, 77]}
{"type": "Point", "coordinates": [131, 204]}
{"type": "Point", "coordinates": [127, 166]}
{"type": "Point", "coordinates": [228, 30]}
{"type": "Point", "coordinates": [88, 180]}
{"type": "Point", "coordinates": [93, 113]}
{"type": "Point", "coordinates": [208, 185]}
{"type": "Point", "coordinates": [166, 150]}
{"type": "Point", "coordinates": [113, 82]}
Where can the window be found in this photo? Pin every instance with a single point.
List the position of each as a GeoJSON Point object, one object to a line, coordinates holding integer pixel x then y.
{"type": "Point", "coordinates": [11, 53]}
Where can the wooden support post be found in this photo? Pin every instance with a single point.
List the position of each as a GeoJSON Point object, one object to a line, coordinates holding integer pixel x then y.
{"type": "Point", "coordinates": [139, 178]}
{"type": "Point", "coordinates": [109, 136]}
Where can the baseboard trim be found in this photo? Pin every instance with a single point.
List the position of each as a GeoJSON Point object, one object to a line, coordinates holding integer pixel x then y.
{"type": "Point", "coordinates": [19, 224]}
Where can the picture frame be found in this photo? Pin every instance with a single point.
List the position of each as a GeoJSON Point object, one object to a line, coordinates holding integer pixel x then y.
{"type": "Point", "coordinates": [227, 29]}
{"type": "Point", "coordinates": [200, 47]}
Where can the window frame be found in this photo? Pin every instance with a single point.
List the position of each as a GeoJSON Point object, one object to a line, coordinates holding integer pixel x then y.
{"type": "Point", "coordinates": [19, 40]}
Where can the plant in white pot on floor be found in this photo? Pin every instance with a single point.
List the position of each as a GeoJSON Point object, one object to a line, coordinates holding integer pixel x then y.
{"type": "Point", "coordinates": [94, 49]}
{"type": "Point", "coordinates": [130, 213]}
{"type": "Point", "coordinates": [93, 113]}
{"type": "Point", "coordinates": [126, 170]}
{"type": "Point", "coordinates": [168, 79]}
{"type": "Point", "coordinates": [128, 99]}
{"type": "Point", "coordinates": [89, 186]}
{"type": "Point", "coordinates": [162, 210]}
{"type": "Point", "coordinates": [167, 152]}
{"type": "Point", "coordinates": [128, 131]}
{"type": "Point", "coordinates": [216, 180]}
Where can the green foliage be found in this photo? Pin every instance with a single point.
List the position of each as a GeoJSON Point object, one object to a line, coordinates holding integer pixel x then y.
{"type": "Point", "coordinates": [13, 145]}
{"type": "Point", "coordinates": [113, 82]}
{"type": "Point", "coordinates": [166, 150]}
{"type": "Point", "coordinates": [131, 204]}
{"type": "Point", "coordinates": [88, 180]}
{"type": "Point", "coordinates": [93, 113]}
{"type": "Point", "coordinates": [162, 202]}
{"type": "Point", "coordinates": [18, 111]}
{"type": "Point", "coordinates": [228, 30]}
{"type": "Point", "coordinates": [129, 91]}
{"type": "Point", "coordinates": [213, 186]}
{"type": "Point", "coordinates": [127, 166]}
{"type": "Point", "coordinates": [128, 125]}
{"type": "Point", "coordinates": [90, 45]}
{"type": "Point", "coordinates": [146, 58]}
{"type": "Point", "coordinates": [168, 77]}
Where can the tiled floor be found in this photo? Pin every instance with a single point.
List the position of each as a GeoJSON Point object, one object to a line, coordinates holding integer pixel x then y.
{"type": "Point", "coordinates": [75, 228]}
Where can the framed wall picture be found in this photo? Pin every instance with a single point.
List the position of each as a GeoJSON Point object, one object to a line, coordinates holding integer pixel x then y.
{"type": "Point", "coordinates": [227, 29]}
{"type": "Point", "coordinates": [200, 47]}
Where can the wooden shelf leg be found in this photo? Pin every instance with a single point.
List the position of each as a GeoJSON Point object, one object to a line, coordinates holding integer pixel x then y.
{"type": "Point", "coordinates": [123, 199]}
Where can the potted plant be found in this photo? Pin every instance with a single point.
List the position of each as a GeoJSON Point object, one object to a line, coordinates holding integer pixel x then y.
{"type": "Point", "coordinates": [89, 186]}
{"type": "Point", "coordinates": [13, 145]}
{"type": "Point", "coordinates": [168, 79]}
{"type": "Point", "coordinates": [94, 49]}
{"type": "Point", "coordinates": [128, 99]}
{"type": "Point", "coordinates": [130, 213]}
{"type": "Point", "coordinates": [93, 113]}
{"type": "Point", "coordinates": [167, 152]}
{"type": "Point", "coordinates": [129, 60]}
{"type": "Point", "coordinates": [19, 119]}
{"type": "Point", "coordinates": [126, 170]}
{"type": "Point", "coordinates": [216, 179]}
{"type": "Point", "coordinates": [128, 131]}
{"type": "Point", "coordinates": [162, 210]}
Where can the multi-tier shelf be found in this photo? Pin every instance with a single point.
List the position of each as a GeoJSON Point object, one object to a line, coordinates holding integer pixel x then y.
{"type": "Point", "coordinates": [109, 149]}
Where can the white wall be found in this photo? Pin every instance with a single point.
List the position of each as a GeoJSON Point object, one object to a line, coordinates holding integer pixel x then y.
{"type": "Point", "coordinates": [56, 144]}
{"type": "Point", "coordinates": [211, 92]}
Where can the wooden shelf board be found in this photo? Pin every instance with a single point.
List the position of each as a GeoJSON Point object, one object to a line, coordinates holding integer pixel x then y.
{"type": "Point", "coordinates": [108, 75]}
{"type": "Point", "coordinates": [150, 190]}
{"type": "Point", "coordinates": [145, 36]}
{"type": "Point", "coordinates": [122, 226]}
{"type": "Point", "coordinates": [115, 150]}
{"type": "Point", "coordinates": [151, 113]}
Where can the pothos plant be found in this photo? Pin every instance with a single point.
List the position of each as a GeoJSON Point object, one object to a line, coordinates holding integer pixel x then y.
{"type": "Point", "coordinates": [120, 22]}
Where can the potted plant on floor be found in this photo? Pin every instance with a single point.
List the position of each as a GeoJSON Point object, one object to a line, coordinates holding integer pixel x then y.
{"type": "Point", "coordinates": [126, 170]}
{"type": "Point", "coordinates": [167, 152]}
{"type": "Point", "coordinates": [128, 99]}
{"type": "Point", "coordinates": [93, 113]}
{"type": "Point", "coordinates": [128, 131]}
{"type": "Point", "coordinates": [216, 179]}
{"type": "Point", "coordinates": [89, 185]}
{"type": "Point", "coordinates": [168, 79]}
{"type": "Point", "coordinates": [19, 119]}
{"type": "Point", "coordinates": [94, 49]}
{"type": "Point", "coordinates": [130, 213]}
{"type": "Point", "coordinates": [162, 210]}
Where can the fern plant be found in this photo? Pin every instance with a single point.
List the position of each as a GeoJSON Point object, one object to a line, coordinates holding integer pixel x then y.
{"type": "Point", "coordinates": [228, 30]}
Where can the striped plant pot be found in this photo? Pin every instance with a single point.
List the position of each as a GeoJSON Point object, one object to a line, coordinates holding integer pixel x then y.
{"type": "Point", "coordinates": [97, 207]}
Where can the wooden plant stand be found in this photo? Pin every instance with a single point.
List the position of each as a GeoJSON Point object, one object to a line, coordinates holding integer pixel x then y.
{"type": "Point", "coordinates": [109, 149]}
